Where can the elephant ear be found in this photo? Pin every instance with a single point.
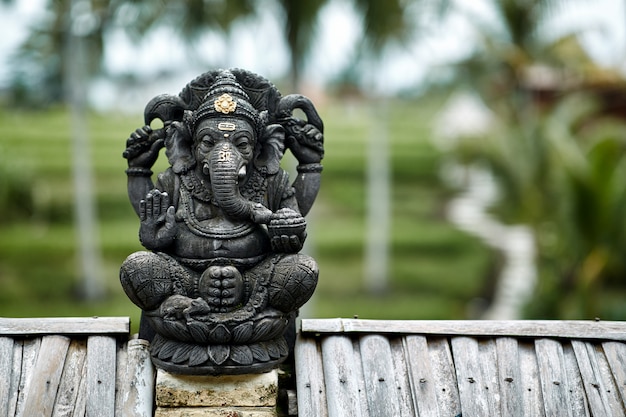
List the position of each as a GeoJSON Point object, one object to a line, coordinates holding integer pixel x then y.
{"type": "Point", "coordinates": [178, 145]}
{"type": "Point", "coordinates": [272, 144]}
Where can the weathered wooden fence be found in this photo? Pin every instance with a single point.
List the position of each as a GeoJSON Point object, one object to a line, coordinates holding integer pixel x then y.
{"type": "Point", "coordinates": [73, 367]}
{"type": "Point", "coordinates": [461, 368]}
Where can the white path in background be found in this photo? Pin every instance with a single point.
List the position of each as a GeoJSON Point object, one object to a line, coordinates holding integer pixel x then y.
{"type": "Point", "coordinates": [469, 212]}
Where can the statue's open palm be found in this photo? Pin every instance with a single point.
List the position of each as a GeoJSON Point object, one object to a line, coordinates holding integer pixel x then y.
{"type": "Point", "coordinates": [158, 225]}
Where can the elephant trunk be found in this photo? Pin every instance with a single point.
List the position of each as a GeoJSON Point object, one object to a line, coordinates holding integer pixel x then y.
{"type": "Point", "coordinates": [226, 169]}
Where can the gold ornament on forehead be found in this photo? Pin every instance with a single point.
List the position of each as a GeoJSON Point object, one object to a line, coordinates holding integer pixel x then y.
{"type": "Point", "coordinates": [225, 104]}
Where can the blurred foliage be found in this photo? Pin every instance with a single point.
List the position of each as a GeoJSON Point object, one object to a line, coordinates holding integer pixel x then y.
{"type": "Point", "coordinates": [564, 174]}
{"type": "Point", "coordinates": [16, 199]}
{"type": "Point", "coordinates": [40, 63]}
{"type": "Point", "coordinates": [557, 153]}
{"type": "Point", "coordinates": [436, 270]}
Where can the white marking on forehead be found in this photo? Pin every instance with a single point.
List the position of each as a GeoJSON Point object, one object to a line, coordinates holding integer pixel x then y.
{"type": "Point", "coordinates": [226, 126]}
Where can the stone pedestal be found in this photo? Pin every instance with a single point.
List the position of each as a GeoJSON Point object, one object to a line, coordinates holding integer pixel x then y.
{"type": "Point", "coordinates": [216, 396]}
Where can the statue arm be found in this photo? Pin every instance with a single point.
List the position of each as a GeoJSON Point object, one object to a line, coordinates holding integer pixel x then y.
{"type": "Point", "coordinates": [142, 150]}
{"type": "Point", "coordinates": [307, 145]}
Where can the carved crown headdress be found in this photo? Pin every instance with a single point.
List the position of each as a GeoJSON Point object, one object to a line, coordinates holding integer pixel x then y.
{"type": "Point", "coordinates": [227, 98]}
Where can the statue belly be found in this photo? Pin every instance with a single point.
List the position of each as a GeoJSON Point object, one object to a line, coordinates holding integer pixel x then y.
{"type": "Point", "coordinates": [191, 245]}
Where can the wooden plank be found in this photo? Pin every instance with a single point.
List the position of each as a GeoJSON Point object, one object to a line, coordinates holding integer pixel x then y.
{"type": "Point", "coordinates": [64, 326]}
{"type": "Point", "coordinates": [489, 371]}
{"type": "Point", "coordinates": [71, 379]}
{"type": "Point", "coordinates": [554, 383]}
{"type": "Point", "coordinates": [602, 330]}
{"type": "Point", "coordinates": [29, 353]}
{"type": "Point", "coordinates": [6, 370]}
{"type": "Point", "coordinates": [401, 365]}
{"type": "Point", "coordinates": [46, 377]}
{"type": "Point", "coordinates": [379, 376]}
{"type": "Point", "coordinates": [342, 393]}
{"type": "Point", "coordinates": [135, 392]}
{"type": "Point", "coordinates": [510, 377]}
{"type": "Point", "coordinates": [125, 392]}
{"type": "Point", "coordinates": [578, 398]}
{"type": "Point", "coordinates": [444, 372]}
{"type": "Point", "coordinates": [360, 378]}
{"type": "Point", "coordinates": [101, 362]}
{"type": "Point", "coordinates": [616, 356]}
{"type": "Point", "coordinates": [16, 375]}
{"type": "Point", "coordinates": [81, 398]}
{"type": "Point", "coordinates": [532, 399]}
{"type": "Point", "coordinates": [472, 392]}
{"type": "Point", "coordinates": [309, 378]}
{"type": "Point", "coordinates": [615, 400]}
{"type": "Point", "coordinates": [597, 380]}
{"type": "Point", "coordinates": [423, 380]}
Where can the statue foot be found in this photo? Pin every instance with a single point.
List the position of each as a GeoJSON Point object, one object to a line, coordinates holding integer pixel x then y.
{"type": "Point", "coordinates": [222, 287]}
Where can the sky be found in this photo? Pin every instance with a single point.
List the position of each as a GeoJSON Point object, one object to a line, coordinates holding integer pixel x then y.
{"type": "Point", "coordinates": [438, 44]}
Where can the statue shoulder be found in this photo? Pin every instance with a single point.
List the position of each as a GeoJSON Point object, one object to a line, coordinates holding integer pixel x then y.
{"type": "Point", "coordinates": [166, 181]}
{"type": "Point", "coordinates": [279, 190]}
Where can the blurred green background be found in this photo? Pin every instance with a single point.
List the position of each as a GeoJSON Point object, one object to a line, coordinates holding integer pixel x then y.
{"type": "Point", "coordinates": [526, 107]}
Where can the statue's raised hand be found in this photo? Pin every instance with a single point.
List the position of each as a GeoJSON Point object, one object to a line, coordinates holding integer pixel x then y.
{"type": "Point", "coordinates": [306, 142]}
{"type": "Point", "coordinates": [143, 146]}
{"type": "Point", "coordinates": [158, 225]}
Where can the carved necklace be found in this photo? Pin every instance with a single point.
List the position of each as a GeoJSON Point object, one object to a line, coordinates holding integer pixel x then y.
{"type": "Point", "coordinates": [212, 230]}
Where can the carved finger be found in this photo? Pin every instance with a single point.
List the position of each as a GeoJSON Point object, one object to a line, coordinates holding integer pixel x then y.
{"type": "Point", "coordinates": [276, 244]}
{"type": "Point", "coordinates": [285, 242]}
{"type": "Point", "coordinates": [149, 204]}
{"type": "Point", "coordinates": [170, 218]}
{"type": "Point", "coordinates": [156, 204]}
{"type": "Point", "coordinates": [142, 210]}
{"type": "Point", "coordinates": [294, 242]}
{"type": "Point", "coordinates": [165, 203]}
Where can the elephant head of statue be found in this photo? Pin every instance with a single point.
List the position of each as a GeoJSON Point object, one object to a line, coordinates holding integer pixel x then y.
{"type": "Point", "coordinates": [225, 140]}
{"type": "Point", "coordinates": [228, 134]}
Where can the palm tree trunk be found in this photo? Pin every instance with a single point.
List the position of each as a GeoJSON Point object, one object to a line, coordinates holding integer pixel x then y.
{"type": "Point", "coordinates": [75, 85]}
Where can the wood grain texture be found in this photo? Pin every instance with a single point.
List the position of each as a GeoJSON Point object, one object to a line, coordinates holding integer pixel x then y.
{"type": "Point", "coordinates": [477, 369]}
{"type": "Point", "coordinates": [554, 380]}
{"type": "Point", "coordinates": [532, 398]}
{"type": "Point", "coordinates": [72, 378]}
{"type": "Point", "coordinates": [64, 326]}
{"type": "Point", "coordinates": [403, 380]}
{"type": "Point", "coordinates": [101, 363]}
{"type": "Point", "coordinates": [605, 330]}
{"type": "Point", "coordinates": [29, 353]}
{"type": "Point", "coordinates": [311, 392]}
{"type": "Point", "coordinates": [6, 371]}
{"type": "Point", "coordinates": [46, 376]}
{"type": "Point", "coordinates": [423, 379]}
{"type": "Point", "coordinates": [509, 377]}
{"type": "Point", "coordinates": [616, 357]}
{"type": "Point", "coordinates": [340, 377]}
{"type": "Point", "coordinates": [379, 376]}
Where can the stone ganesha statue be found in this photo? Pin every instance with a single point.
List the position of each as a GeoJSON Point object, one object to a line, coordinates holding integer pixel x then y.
{"type": "Point", "coordinates": [222, 225]}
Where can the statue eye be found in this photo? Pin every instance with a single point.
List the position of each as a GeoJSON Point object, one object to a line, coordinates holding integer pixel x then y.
{"type": "Point", "coordinates": [207, 142]}
{"type": "Point", "coordinates": [243, 144]}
